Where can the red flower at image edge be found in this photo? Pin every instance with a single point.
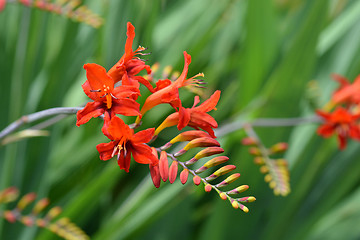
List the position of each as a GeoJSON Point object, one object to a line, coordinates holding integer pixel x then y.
{"type": "Point", "coordinates": [195, 117]}
{"type": "Point", "coordinates": [129, 65]}
{"type": "Point", "coordinates": [342, 123]}
{"type": "Point", "coordinates": [348, 93]}
{"type": "Point", "coordinates": [125, 143]}
{"type": "Point", "coordinates": [100, 88]}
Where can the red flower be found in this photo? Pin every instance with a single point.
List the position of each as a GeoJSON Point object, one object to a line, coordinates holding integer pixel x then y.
{"type": "Point", "coordinates": [347, 93]}
{"type": "Point", "coordinates": [100, 88]}
{"type": "Point", "coordinates": [2, 4]}
{"type": "Point", "coordinates": [340, 122]}
{"type": "Point", "coordinates": [125, 143]}
{"type": "Point", "coordinates": [129, 65]}
{"type": "Point", "coordinates": [168, 91]}
{"type": "Point", "coordinates": [195, 117]}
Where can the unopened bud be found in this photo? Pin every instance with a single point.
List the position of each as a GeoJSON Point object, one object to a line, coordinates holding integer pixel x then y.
{"type": "Point", "coordinates": [26, 200]}
{"type": "Point", "coordinates": [173, 171]}
{"type": "Point", "coordinates": [196, 180]}
{"type": "Point", "coordinates": [184, 176]}
{"type": "Point", "coordinates": [40, 205]}
{"type": "Point", "coordinates": [279, 148]}
{"type": "Point", "coordinates": [248, 141]}
{"type": "Point", "coordinates": [259, 160]}
{"type": "Point", "coordinates": [222, 195]}
{"type": "Point", "coordinates": [239, 189]}
{"type": "Point", "coordinates": [208, 188]}
{"type": "Point", "coordinates": [255, 151]}
{"type": "Point", "coordinates": [220, 172]}
{"type": "Point", "coordinates": [228, 180]}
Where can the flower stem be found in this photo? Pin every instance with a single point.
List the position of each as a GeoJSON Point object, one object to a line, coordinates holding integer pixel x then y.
{"type": "Point", "coordinates": [37, 116]}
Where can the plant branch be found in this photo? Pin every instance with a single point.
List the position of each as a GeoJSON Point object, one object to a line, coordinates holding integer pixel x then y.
{"type": "Point", "coordinates": [266, 122]}
{"type": "Point", "coordinates": [37, 116]}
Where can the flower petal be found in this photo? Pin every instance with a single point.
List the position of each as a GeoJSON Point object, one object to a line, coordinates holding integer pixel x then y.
{"type": "Point", "coordinates": [143, 136]}
{"type": "Point", "coordinates": [142, 154]}
{"type": "Point", "coordinates": [326, 130]}
{"type": "Point", "coordinates": [342, 142]}
{"type": "Point", "coordinates": [170, 121]}
{"type": "Point", "coordinates": [125, 106]}
{"type": "Point", "coordinates": [130, 33]}
{"type": "Point", "coordinates": [107, 120]}
{"type": "Point", "coordinates": [94, 96]}
{"type": "Point", "coordinates": [210, 103]}
{"type": "Point", "coordinates": [160, 84]}
{"type": "Point", "coordinates": [124, 161]}
{"type": "Point", "coordinates": [98, 78]}
{"type": "Point", "coordinates": [184, 117]}
{"type": "Point", "coordinates": [126, 91]}
{"type": "Point", "coordinates": [201, 118]}
{"type": "Point", "coordinates": [354, 132]}
{"type": "Point", "coordinates": [91, 109]}
{"type": "Point", "coordinates": [144, 82]}
{"type": "Point", "coordinates": [182, 78]}
{"type": "Point", "coordinates": [119, 130]}
{"type": "Point", "coordinates": [106, 149]}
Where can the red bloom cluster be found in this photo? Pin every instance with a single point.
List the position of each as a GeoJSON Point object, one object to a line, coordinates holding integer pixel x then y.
{"type": "Point", "coordinates": [115, 92]}
{"type": "Point", "coordinates": [344, 120]}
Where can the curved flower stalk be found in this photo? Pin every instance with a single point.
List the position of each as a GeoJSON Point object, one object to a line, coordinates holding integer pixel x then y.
{"type": "Point", "coordinates": [276, 170]}
{"type": "Point", "coordinates": [210, 148]}
{"type": "Point", "coordinates": [71, 9]}
{"type": "Point", "coordinates": [61, 227]}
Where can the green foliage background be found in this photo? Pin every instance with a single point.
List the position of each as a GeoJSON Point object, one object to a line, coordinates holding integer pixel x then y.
{"type": "Point", "coordinates": [261, 54]}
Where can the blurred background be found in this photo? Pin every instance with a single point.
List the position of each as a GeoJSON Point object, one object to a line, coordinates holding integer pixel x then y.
{"type": "Point", "coordinates": [270, 59]}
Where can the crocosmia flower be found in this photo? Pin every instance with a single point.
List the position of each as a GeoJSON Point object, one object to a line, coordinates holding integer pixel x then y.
{"type": "Point", "coordinates": [129, 65]}
{"type": "Point", "coordinates": [168, 91]}
{"type": "Point", "coordinates": [348, 93]}
{"type": "Point", "coordinates": [2, 4]}
{"type": "Point", "coordinates": [125, 143]}
{"type": "Point", "coordinates": [342, 123]}
{"type": "Point", "coordinates": [195, 117]}
{"type": "Point", "coordinates": [99, 86]}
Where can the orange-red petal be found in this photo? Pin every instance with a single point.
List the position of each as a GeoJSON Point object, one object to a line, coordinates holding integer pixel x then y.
{"type": "Point", "coordinates": [143, 136]}
{"type": "Point", "coordinates": [125, 106]}
{"type": "Point", "coordinates": [326, 130]}
{"type": "Point", "coordinates": [119, 130]}
{"type": "Point", "coordinates": [142, 154]}
{"type": "Point", "coordinates": [130, 33]}
{"type": "Point", "coordinates": [184, 117]}
{"type": "Point", "coordinates": [91, 109]}
{"type": "Point", "coordinates": [106, 149]}
{"type": "Point", "coordinates": [210, 103]}
{"type": "Point", "coordinates": [124, 161]}
{"type": "Point", "coordinates": [98, 78]}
